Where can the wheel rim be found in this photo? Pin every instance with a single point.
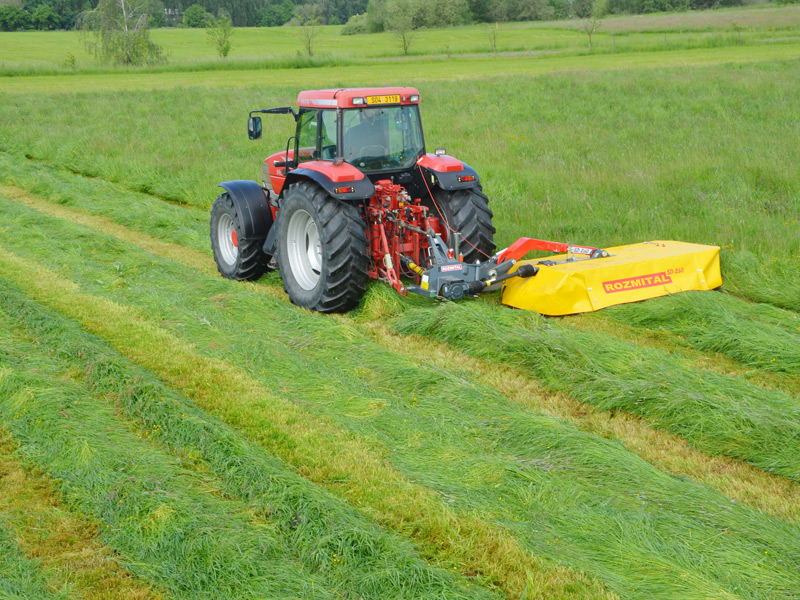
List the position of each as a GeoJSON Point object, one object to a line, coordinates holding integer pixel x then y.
{"type": "Point", "coordinates": [304, 249]}
{"type": "Point", "coordinates": [227, 239]}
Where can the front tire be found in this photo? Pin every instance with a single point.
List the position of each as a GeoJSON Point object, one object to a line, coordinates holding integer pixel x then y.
{"type": "Point", "coordinates": [322, 250]}
{"type": "Point", "coordinates": [466, 211]}
{"type": "Point", "coordinates": [236, 257]}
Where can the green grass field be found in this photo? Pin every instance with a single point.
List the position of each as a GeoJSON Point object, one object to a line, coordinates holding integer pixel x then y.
{"type": "Point", "coordinates": [167, 433]}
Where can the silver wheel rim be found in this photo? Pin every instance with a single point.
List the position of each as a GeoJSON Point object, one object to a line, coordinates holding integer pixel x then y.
{"type": "Point", "coordinates": [304, 249]}
{"type": "Point", "coordinates": [225, 228]}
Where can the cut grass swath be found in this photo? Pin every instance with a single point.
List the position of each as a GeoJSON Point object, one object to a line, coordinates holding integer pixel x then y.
{"type": "Point", "coordinates": [325, 533]}
{"type": "Point", "coordinates": [757, 335]}
{"type": "Point", "coordinates": [472, 455]}
{"type": "Point", "coordinates": [63, 542]}
{"type": "Point", "coordinates": [718, 414]}
{"type": "Point", "coordinates": [171, 524]}
{"type": "Point", "coordinates": [734, 478]}
{"type": "Point", "coordinates": [320, 451]}
{"type": "Point", "coordinates": [20, 577]}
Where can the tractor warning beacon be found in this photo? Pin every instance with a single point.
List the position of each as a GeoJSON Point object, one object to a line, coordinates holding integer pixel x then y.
{"type": "Point", "coordinates": [355, 195]}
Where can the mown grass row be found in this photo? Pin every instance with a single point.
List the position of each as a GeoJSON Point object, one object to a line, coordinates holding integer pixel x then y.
{"type": "Point", "coordinates": [556, 487]}
{"type": "Point", "coordinates": [668, 452]}
{"type": "Point", "coordinates": [20, 577]}
{"type": "Point", "coordinates": [320, 451]}
{"type": "Point", "coordinates": [167, 524]}
{"type": "Point", "coordinates": [757, 335]}
{"type": "Point", "coordinates": [170, 524]}
{"type": "Point", "coordinates": [736, 479]}
{"type": "Point", "coordinates": [356, 555]}
{"type": "Point", "coordinates": [716, 413]}
{"type": "Point", "coordinates": [66, 547]}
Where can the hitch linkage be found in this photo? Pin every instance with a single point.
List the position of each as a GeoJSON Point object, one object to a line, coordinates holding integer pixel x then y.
{"type": "Point", "coordinates": [452, 279]}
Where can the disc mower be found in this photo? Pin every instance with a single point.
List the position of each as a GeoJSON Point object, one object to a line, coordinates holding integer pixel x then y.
{"type": "Point", "coordinates": [355, 196]}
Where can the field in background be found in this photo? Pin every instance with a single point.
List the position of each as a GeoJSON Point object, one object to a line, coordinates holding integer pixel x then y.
{"type": "Point", "coordinates": [258, 48]}
{"type": "Point", "coordinates": [185, 436]}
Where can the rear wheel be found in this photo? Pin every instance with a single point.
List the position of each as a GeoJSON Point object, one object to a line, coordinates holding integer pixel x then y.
{"type": "Point", "coordinates": [322, 250]}
{"type": "Point", "coordinates": [466, 211]}
{"type": "Point", "coordinates": [236, 257]}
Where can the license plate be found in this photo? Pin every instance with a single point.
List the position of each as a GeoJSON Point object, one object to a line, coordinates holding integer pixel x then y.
{"type": "Point", "coordinates": [393, 99]}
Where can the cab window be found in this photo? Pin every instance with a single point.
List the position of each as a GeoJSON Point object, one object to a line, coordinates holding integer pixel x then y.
{"type": "Point", "coordinates": [307, 136]}
{"type": "Point", "coordinates": [327, 135]}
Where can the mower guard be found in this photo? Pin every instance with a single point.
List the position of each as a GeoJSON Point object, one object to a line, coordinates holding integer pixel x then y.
{"type": "Point", "coordinates": [631, 273]}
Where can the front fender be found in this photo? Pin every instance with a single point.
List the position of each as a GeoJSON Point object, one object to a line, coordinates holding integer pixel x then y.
{"type": "Point", "coordinates": [448, 173]}
{"type": "Point", "coordinates": [251, 206]}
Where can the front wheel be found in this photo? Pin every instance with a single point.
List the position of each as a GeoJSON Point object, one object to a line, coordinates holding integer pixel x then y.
{"type": "Point", "coordinates": [322, 250]}
{"type": "Point", "coordinates": [236, 257]}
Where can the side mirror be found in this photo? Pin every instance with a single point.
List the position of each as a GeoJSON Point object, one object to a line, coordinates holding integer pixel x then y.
{"type": "Point", "coordinates": [254, 128]}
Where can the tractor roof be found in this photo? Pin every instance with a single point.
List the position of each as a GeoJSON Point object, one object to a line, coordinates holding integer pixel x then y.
{"type": "Point", "coordinates": [357, 97]}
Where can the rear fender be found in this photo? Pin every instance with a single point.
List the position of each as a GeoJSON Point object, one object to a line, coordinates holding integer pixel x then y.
{"type": "Point", "coordinates": [332, 178]}
{"type": "Point", "coordinates": [251, 206]}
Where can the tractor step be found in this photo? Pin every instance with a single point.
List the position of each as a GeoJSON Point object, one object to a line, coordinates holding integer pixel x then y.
{"type": "Point", "coordinates": [566, 285]}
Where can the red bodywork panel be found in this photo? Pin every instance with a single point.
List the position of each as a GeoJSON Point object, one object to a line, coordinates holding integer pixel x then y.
{"type": "Point", "coordinates": [342, 98]}
{"type": "Point", "coordinates": [440, 164]}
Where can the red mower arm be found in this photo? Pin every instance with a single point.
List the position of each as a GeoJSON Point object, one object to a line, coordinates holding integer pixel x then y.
{"type": "Point", "coordinates": [524, 245]}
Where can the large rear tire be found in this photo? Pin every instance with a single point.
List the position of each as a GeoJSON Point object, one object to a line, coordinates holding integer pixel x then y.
{"type": "Point", "coordinates": [322, 250]}
{"type": "Point", "coordinates": [236, 257]}
{"type": "Point", "coordinates": [466, 211]}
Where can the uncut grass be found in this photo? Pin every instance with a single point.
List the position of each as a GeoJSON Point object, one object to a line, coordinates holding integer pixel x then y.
{"type": "Point", "coordinates": [319, 528]}
{"type": "Point", "coordinates": [699, 154]}
{"type": "Point", "coordinates": [168, 524]}
{"type": "Point", "coordinates": [20, 577]}
{"type": "Point", "coordinates": [469, 444]}
{"type": "Point", "coordinates": [417, 70]}
{"type": "Point", "coordinates": [757, 335]}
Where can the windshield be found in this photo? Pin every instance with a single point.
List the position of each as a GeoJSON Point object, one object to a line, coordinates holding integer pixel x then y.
{"type": "Point", "coordinates": [377, 139]}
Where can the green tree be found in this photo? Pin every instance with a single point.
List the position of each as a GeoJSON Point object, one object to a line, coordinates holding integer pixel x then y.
{"type": "Point", "coordinates": [116, 31]}
{"type": "Point", "coordinates": [13, 18]}
{"type": "Point", "coordinates": [45, 18]}
{"type": "Point", "coordinates": [400, 20]}
{"type": "Point", "coordinates": [308, 19]}
{"type": "Point", "coordinates": [275, 14]}
{"type": "Point", "coordinates": [355, 25]}
{"type": "Point", "coordinates": [589, 27]}
{"type": "Point", "coordinates": [195, 16]}
{"type": "Point", "coordinates": [219, 34]}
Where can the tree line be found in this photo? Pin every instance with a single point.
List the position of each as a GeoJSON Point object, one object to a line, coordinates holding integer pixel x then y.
{"type": "Point", "coordinates": [359, 16]}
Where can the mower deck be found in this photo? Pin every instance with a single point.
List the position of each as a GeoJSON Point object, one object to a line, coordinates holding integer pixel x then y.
{"type": "Point", "coordinates": [631, 273]}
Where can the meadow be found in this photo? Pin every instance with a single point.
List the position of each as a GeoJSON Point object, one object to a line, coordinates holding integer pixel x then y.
{"type": "Point", "coordinates": [167, 433]}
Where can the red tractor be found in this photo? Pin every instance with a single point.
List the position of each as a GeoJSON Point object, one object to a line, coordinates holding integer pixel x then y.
{"type": "Point", "coordinates": [355, 196]}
